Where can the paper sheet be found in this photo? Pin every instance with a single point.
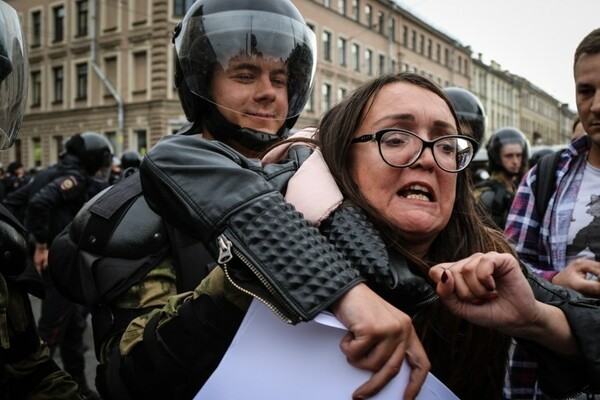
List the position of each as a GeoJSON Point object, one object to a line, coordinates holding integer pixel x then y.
{"type": "Point", "coordinates": [271, 360]}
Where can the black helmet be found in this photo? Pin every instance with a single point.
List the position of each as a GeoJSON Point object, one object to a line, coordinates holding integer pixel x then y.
{"type": "Point", "coordinates": [130, 159]}
{"type": "Point", "coordinates": [13, 75]}
{"type": "Point", "coordinates": [92, 149]}
{"type": "Point", "coordinates": [468, 109]}
{"type": "Point", "coordinates": [215, 31]}
{"type": "Point", "coordinates": [501, 138]}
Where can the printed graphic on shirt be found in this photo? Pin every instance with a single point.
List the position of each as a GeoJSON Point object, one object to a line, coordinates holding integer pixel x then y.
{"type": "Point", "coordinates": [588, 237]}
{"type": "Point", "coordinates": [68, 183]}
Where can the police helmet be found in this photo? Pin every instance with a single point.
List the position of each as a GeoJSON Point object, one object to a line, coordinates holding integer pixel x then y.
{"type": "Point", "coordinates": [214, 32]}
{"type": "Point", "coordinates": [130, 159]}
{"type": "Point", "coordinates": [469, 110]}
{"type": "Point", "coordinates": [92, 149]}
{"type": "Point", "coordinates": [501, 138]}
{"type": "Point", "coordinates": [13, 75]}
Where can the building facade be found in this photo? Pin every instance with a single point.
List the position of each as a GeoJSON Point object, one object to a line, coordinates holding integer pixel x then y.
{"type": "Point", "coordinates": [107, 66]}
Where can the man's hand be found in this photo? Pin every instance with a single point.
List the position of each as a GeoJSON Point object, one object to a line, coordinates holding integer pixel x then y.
{"type": "Point", "coordinates": [574, 277]}
{"type": "Point", "coordinates": [380, 337]}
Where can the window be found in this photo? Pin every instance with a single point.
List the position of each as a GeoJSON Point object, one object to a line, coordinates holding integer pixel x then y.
{"type": "Point", "coordinates": [439, 53]}
{"type": "Point", "coordinates": [82, 18]}
{"type": "Point", "coordinates": [369, 61]}
{"type": "Point", "coordinates": [422, 44]}
{"type": "Point", "coordinates": [59, 23]}
{"type": "Point", "coordinates": [342, 51]}
{"type": "Point", "coordinates": [36, 146]}
{"type": "Point", "coordinates": [380, 22]}
{"type": "Point", "coordinates": [414, 41]}
{"type": "Point", "coordinates": [57, 146]}
{"type": "Point", "coordinates": [326, 37]}
{"type": "Point", "coordinates": [446, 57]}
{"type": "Point", "coordinates": [36, 28]}
{"type": "Point", "coordinates": [110, 15]}
{"type": "Point", "coordinates": [110, 70]}
{"type": "Point", "coordinates": [355, 57]}
{"type": "Point", "coordinates": [341, 93]}
{"type": "Point", "coordinates": [140, 12]}
{"type": "Point", "coordinates": [140, 65]}
{"type": "Point", "coordinates": [141, 141]}
{"type": "Point", "coordinates": [381, 64]}
{"type": "Point", "coordinates": [369, 15]}
{"type": "Point", "coordinates": [405, 35]}
{"type": "Point", "coordinates": [36, 88]}
{"type": "Point", "coordinates": [82, 81]}
{"type": "Point", "coordinates": [180, 7]}
{"type": "Point", "coordinates": [355, 10]}
{"type": "Point", "coordinates": [112, 138]}
{"type": "Point", "coordinates": [342, 7]}
{"type": "Point", "coordinates": [393, 29]}
{"type": "Point", "coordinates": [58, 74]}
{"type": "Point", "coordinates": [327, 3]}
{"type": "Point", "coordinates": [325, 97]}
{"type": "Point", "coordinates": [429, 48]}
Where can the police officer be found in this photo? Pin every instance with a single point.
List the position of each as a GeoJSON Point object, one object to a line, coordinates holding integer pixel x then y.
{"type": "Point", "coordinates": [27, 370]}
{"type": "Point", "coordinates": [50, 202]}
{"type": "Point", "coordinates": [508, 154]}
{"type": "Point", "coordinates": [151, 262]}
{"type": "Point", "coordinates": [54, 198]}
{"type": "Point", "coordinates": [471, 114]}
{"type": "Point", "coordinates": [128, 163]}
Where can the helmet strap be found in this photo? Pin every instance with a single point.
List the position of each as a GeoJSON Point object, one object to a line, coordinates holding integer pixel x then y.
{"type": "Point", "coordinates": [223, 130]}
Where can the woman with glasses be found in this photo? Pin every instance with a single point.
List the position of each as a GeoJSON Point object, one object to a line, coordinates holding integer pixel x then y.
{"type": "Point", "coordinates": [403, 216]}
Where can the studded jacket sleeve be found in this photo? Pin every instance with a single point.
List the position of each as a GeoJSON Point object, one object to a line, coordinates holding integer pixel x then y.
{"type": "Point", "coordinates": [235, 207]}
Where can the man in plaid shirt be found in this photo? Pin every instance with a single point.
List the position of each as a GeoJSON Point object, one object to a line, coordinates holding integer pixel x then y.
{"type": "Point", "coordinates": [559, 242]}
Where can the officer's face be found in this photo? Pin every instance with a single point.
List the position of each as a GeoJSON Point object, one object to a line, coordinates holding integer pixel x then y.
{"type": "Point", "coordinates": [252, 93]}
{"type": "Point", "coordinates": [512, 157]}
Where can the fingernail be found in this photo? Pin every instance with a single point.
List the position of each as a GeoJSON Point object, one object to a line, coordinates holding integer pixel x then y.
{"type": "Point", "coordinates": [444, 277]}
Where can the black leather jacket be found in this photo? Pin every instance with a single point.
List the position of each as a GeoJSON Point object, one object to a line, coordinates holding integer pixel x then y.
{"type": "Point", "coordinates": [274, 254]}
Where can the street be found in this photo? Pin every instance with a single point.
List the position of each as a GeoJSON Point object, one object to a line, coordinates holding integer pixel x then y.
{"type": "Point", "coordinates": [90, 357]}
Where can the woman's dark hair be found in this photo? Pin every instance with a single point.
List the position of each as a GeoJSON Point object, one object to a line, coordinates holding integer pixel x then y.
{"type": "Point", "coordinates": [471, 360]}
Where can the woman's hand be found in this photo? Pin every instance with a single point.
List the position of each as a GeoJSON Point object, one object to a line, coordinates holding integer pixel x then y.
{"type": "Point", "coordinates": [491, 290]}
{"type": "Point", "coordinates": [380, 337]}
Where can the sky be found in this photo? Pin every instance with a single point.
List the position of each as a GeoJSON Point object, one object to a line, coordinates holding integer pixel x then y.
{"type": "Point", "coordinates": [535, 39]}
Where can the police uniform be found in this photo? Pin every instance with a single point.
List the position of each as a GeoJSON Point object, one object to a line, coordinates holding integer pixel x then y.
{"type": "Point", "coordinates": [27, 370]}
{"type": "Point", "coordinates": [53, 200]}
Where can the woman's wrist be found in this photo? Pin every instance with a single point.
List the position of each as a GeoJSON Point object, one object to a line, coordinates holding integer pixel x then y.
{"type": "Point", "coordinates": [552, 330]}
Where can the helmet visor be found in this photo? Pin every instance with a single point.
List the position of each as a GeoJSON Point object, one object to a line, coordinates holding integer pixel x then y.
{"type": "Point", "coordinates": [221, 40]}
{"type": "Point", "coordinates": [13, 76]}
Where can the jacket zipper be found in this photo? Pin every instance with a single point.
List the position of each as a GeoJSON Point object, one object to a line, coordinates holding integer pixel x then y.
{"type": "Point", "coordinates": [226, 252]}
{"type": "Point", "coordinates": [434, 297]}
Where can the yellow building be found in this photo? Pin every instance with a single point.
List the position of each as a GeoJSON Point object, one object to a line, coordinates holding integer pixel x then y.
{"type": "Point", "coordinates": [107, 66]}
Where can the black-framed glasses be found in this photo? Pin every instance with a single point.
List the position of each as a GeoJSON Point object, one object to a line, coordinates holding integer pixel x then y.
{"type": "Point", "coordinates": [401, 148]}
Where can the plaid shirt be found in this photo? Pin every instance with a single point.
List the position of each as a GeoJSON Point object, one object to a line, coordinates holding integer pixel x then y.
{"type": "Point", "coordinates": [541, 243]}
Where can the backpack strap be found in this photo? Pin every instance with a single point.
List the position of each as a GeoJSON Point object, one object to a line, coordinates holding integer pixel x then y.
{"type": "Point", "coordinates": [545, 182]}
{"type": "Point", "coordinates": [104, 212]}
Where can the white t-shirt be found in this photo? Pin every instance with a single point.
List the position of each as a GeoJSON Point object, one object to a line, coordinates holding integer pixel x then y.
{"type": "Point", "coordinates": [584, 227]}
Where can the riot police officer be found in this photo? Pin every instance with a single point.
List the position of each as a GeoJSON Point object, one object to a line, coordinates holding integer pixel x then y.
{"type": "Point", "coordinates": [471, 114]}
{"type": "Point", "coordinates": [267, 51]}
{"type": "Point", "coordinates": [508, 154]}
{"type": "Point", "coordinates": [27, 370]}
